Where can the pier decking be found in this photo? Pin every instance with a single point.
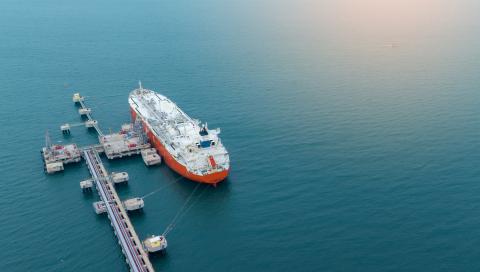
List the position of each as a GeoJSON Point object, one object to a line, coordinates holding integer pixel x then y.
{"type": "Point", "coordinates": [132, 248]}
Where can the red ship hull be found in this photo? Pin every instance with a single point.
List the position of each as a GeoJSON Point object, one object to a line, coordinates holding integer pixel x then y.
{"type": "Point", "coordinates": [212, 178]}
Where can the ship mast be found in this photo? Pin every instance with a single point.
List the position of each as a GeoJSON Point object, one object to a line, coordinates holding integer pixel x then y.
{"type": "Point", "coordinates": [140, 85]}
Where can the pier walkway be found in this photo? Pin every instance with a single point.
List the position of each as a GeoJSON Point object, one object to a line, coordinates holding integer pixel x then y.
{"type": "Point", "coordinates": [132, 248]}
{"type": "Point", "coordinates": [90, 118]}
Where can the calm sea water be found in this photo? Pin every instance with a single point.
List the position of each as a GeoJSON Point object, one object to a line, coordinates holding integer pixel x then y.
{"type": "Point", "coordinates": [353, 130]}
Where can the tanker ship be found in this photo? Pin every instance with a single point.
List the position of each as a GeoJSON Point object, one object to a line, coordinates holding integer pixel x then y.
{"type": "Point", "coordinates": [187, 146]}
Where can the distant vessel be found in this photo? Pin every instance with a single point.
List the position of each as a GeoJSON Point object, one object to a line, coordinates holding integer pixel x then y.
{"type": "Point", "coordinates": [187, 146]}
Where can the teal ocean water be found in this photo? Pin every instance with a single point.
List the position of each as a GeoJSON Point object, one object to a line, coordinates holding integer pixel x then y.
{"type": "Point", "coordinates": [353, 130]}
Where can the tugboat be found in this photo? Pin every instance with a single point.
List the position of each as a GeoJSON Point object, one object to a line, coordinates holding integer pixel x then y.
{"type": "Point", "coordinates": [155, 244]}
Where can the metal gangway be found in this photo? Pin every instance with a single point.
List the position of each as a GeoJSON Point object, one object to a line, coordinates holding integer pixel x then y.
{"type": "Point", "coordinates": [132, 248]}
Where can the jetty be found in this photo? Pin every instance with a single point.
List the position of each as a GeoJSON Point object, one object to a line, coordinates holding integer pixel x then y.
{"type": "Point", "coordinates": [131, 140]}
{"type": "Point", "coordinates": [132, 248]}
{"type": "Point", "coordinates": [84, 111]}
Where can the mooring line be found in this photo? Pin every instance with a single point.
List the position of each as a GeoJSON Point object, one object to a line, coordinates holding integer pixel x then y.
{"type": "Point", "coordinates": [160, 188]}
{"type": "Point", "coordinates": [175, 218]}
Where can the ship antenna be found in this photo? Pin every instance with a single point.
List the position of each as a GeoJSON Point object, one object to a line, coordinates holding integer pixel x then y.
{"type": "Point", "coordinates": [140, 85]}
